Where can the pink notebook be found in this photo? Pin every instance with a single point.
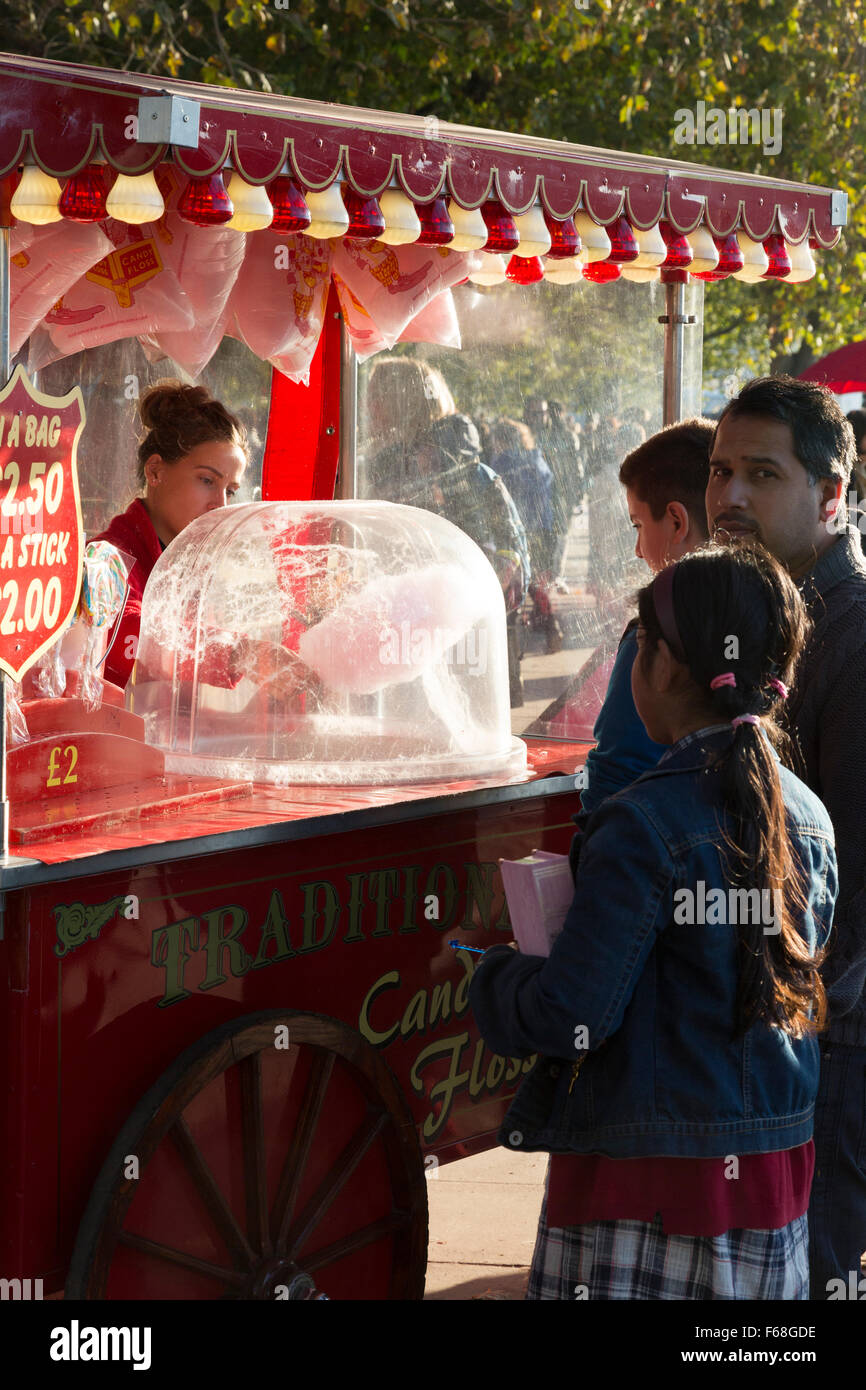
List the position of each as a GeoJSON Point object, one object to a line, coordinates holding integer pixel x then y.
{"type": "Point", "coordinates": [539, 890]}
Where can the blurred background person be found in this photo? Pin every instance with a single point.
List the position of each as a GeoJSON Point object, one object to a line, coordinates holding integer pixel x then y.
{"type": "Point", "coordinates": [427, 454]}
{"type": "Point", "coordinates": [608, 519]}
{"type": "Point", "coordinates": [561, 448]}
{"type": "Point", "coordinates": [529, 479]}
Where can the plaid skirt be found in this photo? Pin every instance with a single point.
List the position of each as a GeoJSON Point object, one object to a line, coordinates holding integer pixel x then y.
{"type": "Point", "coordinates": [636, 1260]}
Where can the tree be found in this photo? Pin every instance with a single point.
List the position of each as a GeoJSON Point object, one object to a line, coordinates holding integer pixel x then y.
{"type": "Point", "coordinates": [612, 74]}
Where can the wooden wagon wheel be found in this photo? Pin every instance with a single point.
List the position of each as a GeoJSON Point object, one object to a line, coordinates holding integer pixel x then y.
{"type": "Point", "coordinates": [275, 1159]}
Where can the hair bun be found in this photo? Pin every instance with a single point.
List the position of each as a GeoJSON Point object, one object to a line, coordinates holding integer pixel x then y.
{"type": "Point", "coordinates": [171, 401]}
{"type": "Point", "coordinates": [176, 418]}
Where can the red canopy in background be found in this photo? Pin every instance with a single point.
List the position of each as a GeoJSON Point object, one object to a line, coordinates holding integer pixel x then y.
{"type": "Point", "coordinates": [842, 370]}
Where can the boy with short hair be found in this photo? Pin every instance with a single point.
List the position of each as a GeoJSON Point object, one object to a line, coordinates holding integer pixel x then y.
{"type": "Point", "coordinates": [665, 479]}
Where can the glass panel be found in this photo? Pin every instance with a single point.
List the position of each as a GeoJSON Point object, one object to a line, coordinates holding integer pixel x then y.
{"type": "Point", "coordinates": [112, 378]}
{"type": "Point", "coordinates": [553, 386]}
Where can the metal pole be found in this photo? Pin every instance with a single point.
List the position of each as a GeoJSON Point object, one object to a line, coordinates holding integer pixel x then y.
{"type": "Point", "coordinates": [5, 373]}
{"type": "Point", "coordinates": [347, 487]}
{"type": "Point", "coordinates": [674, 321]}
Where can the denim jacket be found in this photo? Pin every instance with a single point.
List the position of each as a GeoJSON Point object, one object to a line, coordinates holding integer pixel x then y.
{"type": "Point", "coordinates": [633, 1012]}
{"type": "Point", "coordinates": [623, 748]}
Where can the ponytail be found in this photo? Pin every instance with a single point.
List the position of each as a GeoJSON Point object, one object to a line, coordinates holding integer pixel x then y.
{"type": "Point", "coordinates": [738, 620]}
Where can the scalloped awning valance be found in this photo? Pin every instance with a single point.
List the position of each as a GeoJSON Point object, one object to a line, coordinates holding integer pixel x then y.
{"type": "Point", "coordinates": [63, 116]}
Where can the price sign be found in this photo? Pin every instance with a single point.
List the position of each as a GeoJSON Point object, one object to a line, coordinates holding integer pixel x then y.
{"type": "Point", "coordinates": [41, 534]}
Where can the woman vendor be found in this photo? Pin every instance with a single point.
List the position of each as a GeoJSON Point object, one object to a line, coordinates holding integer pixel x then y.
{"type": "Point", "coordinates": [190, 461]}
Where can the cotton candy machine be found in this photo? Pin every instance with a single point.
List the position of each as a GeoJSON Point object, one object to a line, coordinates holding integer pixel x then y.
{"type": "Point", "coordinates": [338, 642]}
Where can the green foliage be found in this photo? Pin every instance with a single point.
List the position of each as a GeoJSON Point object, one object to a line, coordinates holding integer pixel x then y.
{"type": "Point", "coordinates": [613, 75]}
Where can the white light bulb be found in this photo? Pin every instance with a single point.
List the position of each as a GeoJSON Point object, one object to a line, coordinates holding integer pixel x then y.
{"type": "Point", "coordinates": [36, 197]}
{"type": "Point", "coordinates": [253, 210]}
{"type": "Point", "coordinates": [651, 250]}
{"type": "Point", "coordinates": [595, 241]}
{"type": "Point", "coordinates": [534, 236]}
{"type": "Point", "coordinates": [706, 253]}
{"type": "Point", "coordinates": [756, 260]}
{"type": "Point", "coordinates": [402, 224]}
{"type": "Point", "coordinates": [566, 270]}
{"type": "Point", "coordinates": [470, 229]}
{"type": "Point", "coordinates": [802, 262]}
{"type": "Point", "coordinates": [328, 211]}
{"type": "Point", "coordinates": [491, 271]}
{"type": "Point", "coordinates": [641, 274]}
{"type": "Point", "coordinates": [135, 198]}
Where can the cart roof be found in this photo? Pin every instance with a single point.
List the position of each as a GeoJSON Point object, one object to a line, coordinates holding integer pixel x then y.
{"type": "Point", "coordinates": [63, 115]}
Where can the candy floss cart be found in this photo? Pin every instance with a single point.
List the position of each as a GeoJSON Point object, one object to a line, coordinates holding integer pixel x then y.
{"type": "Point", "coordinates": [236, 1040]}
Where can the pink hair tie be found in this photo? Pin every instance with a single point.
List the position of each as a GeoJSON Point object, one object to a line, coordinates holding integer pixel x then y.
{"type": "Point", "coordinates": [780, 687]}
{"type": "Point", "coordinates": [745, 719]}
{"type": "Point", "coordinates": [727, 679]}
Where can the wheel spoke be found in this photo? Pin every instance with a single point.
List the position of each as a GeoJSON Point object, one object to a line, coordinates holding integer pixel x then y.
{"type": "Point", "coordinates": [365, 1236]}
{"type": "Point", "coordinates": [330, 1186]}
{"type": "Point", "coordinates": [253, 1139]}
{"type": "Point", "coordinates": [206, 1186]}
{"type": "Point", "coordinates": [296, 1159]}
{"type": "Point", "coordinates": [178, 1257]}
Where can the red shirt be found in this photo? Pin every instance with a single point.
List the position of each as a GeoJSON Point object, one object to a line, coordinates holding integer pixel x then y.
{"type": "Point", "coordinates": [694, 1196]}
{"type": "Point", "coordinates": [133, 533]}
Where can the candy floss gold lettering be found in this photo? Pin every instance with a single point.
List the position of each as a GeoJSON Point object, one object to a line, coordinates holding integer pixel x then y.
{"type": "Point", "coordinates": [225, 944]}
{"type": "Point", "coordinates": [425, 1010]}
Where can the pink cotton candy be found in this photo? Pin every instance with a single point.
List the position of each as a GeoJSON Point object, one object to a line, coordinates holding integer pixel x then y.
{"type": "Point", "coordinates": [46, 262]}
{"type": "Point", "coordinates": [207, 262]}
{"type": "Point", "coordinates": [437, 323]}
{"type": "Point", "coordinates": [278, 303]}
{"type": "Point", "coordinates": [130, 291]}
{"type": "Point", "coordinates": [391, 630]}
{"type": "Point", "coordinates": [383, 288]}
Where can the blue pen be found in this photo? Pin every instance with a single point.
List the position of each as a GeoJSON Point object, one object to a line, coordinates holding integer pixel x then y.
{"type": "Point", "coordinates": [459, 946]}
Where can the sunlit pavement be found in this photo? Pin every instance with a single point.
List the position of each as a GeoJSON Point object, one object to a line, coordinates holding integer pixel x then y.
{"type": "Point", "coordinates": [483, 1217]}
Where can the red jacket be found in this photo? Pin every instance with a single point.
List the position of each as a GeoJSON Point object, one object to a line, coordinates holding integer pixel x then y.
{"type": "Point", "coordinates": [133, 533]}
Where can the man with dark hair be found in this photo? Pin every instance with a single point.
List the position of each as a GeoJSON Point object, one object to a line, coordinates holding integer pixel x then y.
{"type": "Point", "coordinates": [665, 479]}
{"type": "Point", "coordinates": [779, 472]}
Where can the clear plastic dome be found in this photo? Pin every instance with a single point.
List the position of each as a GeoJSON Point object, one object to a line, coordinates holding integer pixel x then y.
{"type": "Point", "coordinates": [329, 642]}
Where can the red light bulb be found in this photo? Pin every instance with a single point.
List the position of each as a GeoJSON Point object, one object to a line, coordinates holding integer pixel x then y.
{"type": "Point", "coordinates": [291, 213]}
{"type": "Point", "coordinates": [780, 261]}
{"type": "Point", "coordinates": [503, 234]}
{"type": "Point", "coordinates": [205, 203]}
{"type": "Point", "coordinates": [83, 197]}
{"type": "Point", "coordinates": [8, 185]}
{"type": "Point", "coordinates": [524, 270]}
{"type": "Point", "coordinates": [679, 255]}
{"type": "Point", "coordinates": [437, 229]}
{"type": "Point", "coordinates": [564, 237]}
{"type": "Point", "coordinates": [365, 216]}
{"type": "Point", "coordinates": [623, 246]}
{"type": "Point", "coordinates": [731, 259]}
{"type": "Point", "coordinates": [601, 272]}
